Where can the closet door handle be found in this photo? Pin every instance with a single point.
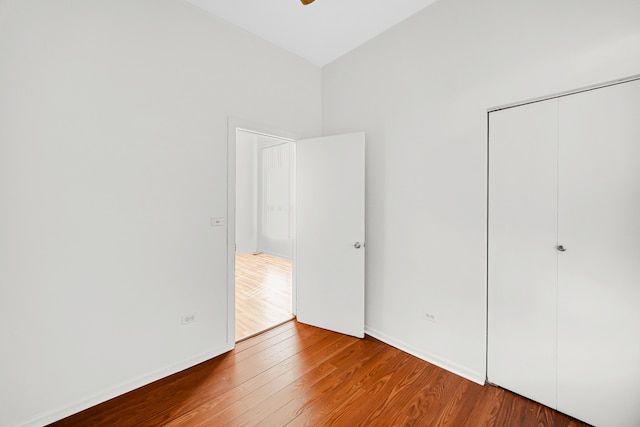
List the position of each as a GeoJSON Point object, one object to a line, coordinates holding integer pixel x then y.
{"type": "Point", "coordinates": [561, 248]}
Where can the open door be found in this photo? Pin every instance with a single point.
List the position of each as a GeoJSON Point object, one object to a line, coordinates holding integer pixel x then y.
{"type": "Point", "coordinates": [329, 249]}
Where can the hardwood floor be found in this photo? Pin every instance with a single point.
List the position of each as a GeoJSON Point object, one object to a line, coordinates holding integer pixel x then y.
{"type": "Point", "coordinates": [263, 293]}
{"type": "Point", "coordinates": [299, 375]}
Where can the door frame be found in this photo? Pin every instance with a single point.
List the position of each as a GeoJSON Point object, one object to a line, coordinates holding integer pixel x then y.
{"type": "Point", "coordinates": [234, 124]}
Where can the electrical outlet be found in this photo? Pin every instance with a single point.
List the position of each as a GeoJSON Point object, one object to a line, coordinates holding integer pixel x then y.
{"type": "Point", "coordinates": [430, 316]}
{"type": "Point", "coordinates": [188, 318]}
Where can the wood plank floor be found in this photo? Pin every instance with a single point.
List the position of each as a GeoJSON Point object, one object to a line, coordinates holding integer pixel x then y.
{"type": "Point", "coordinates": [263, 293]}
{"type": "Point", "coordinates": [298, 375]}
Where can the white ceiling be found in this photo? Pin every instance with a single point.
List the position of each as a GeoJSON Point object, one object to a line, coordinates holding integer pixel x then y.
{"type": "Point", "coordinates": [319, 32]}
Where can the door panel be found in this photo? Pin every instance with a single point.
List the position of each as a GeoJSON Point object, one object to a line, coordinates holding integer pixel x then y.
{"type": "Point", "coordinates": [522, 270]}
{"type": "Point", "coordinates": [599, 274]}
{"type": "Point", "coordinates": [329, 269]}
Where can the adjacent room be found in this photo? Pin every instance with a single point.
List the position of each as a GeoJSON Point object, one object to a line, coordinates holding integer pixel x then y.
{"type": "Point", "coordinates": [264, 233]}
{"type": "Point", "coordinates": [153, 151]}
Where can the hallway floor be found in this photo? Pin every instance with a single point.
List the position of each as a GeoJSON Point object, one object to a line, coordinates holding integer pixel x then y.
{"type": "Point", "coordinates": [263, 293]}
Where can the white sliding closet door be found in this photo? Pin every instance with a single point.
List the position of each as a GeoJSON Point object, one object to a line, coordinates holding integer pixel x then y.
{"type": "Point", "coordinates": [564, 253]}
{"type": "Point", "coordinates": [599, 274]}
{"type": "Point", "coordinates": [522, 254]}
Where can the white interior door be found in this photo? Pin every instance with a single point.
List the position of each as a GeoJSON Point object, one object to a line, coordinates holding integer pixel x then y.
{"type": "Point", "coordinates": [599, 273]}
{"type": "Point", "coordinates": [522, 270]}
{"type": "Point", "coordinates": [329, 248]}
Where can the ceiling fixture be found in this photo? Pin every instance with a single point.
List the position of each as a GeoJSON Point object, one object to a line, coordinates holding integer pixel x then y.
{"type": "Point", "coordinates": [306, 1]}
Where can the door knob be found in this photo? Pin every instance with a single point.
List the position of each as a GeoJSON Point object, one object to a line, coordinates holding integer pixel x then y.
{"type": "Point", "coordinates": [357, 245]}
{"type": "Point", "coordinates": [561, 248]}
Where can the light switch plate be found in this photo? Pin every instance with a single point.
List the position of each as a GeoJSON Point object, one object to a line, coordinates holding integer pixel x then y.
{"type": "Point", "coordinates": [217, 221]}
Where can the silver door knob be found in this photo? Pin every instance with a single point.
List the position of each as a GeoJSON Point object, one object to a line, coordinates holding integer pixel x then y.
{"type": "Point", "coordinates": [561, 248]}
{"type": "Point", "coordinates": [357, 245]}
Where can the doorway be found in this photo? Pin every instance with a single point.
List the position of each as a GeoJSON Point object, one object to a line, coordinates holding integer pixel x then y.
{"type": "Point", "coordinates": [264, 232]}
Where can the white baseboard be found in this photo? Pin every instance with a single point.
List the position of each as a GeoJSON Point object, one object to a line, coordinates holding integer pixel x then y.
{"type": "Point", "coordinates": [448, 365]}
{"type": "Point", "coordinates": [42, 420]}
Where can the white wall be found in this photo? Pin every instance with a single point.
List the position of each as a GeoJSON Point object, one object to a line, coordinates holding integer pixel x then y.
{"type": "Point", "coordinates": [113, 159]}
{"type": "Point", "coordinates": [421, 92]}
{"type": "Point", "coordinates": [246, 192]}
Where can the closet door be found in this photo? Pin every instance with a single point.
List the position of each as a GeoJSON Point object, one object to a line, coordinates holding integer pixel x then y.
{"type": "Point", "coordinates": [522, 270]}
{"type": "Point", "coordinates": [599, 273]}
